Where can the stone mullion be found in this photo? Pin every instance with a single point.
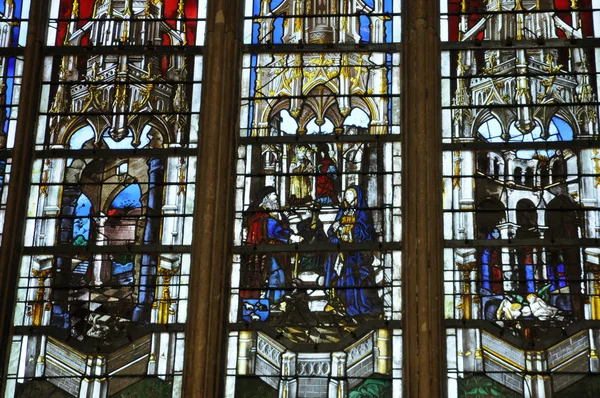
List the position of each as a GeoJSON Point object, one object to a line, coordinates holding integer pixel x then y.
{"type": "Point", "coordinates": [215, 181]}
{"type": "Point", "coordinates": [22, 159]}
{"type": "Point", "coordinates": [423, 327]}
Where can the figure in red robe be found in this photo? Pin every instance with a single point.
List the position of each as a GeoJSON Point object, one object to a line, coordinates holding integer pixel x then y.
{"type": "Point", "coordinates": [327, 179]}
{"type": "Point", "coordinates": [265, 274]}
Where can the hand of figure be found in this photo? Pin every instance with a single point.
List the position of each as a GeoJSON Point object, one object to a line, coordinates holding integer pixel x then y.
{"type": "Point", "coordinates": [336, 226]}
{"type": "Point", "coordinates": [296, 238]}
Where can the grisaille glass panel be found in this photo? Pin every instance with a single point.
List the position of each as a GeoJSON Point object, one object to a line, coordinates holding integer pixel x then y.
{"type": "Point", "coordinates": [319, 94]}
{"type": "Point", "coordinates": [315, 305]}
{"type": "Point", "coordinates": [521, 171]}
{"type": "Point", "coordinates": [322, 21]}
{"type": "Point", "coordinates": [103, 282]}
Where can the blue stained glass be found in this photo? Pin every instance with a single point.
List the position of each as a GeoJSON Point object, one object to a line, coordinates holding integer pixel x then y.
{"type": "Point", "coordinates": [128, 198]}
{"type": "Point", "coordinates": [82, 225]}
{"type": "Point", "coordinates": [278, 30]}
{"type": "Point", "coordinates": [365, 29]}
{"type": "Point", "coordinates": [387, 5]}
{"type": "Point", "coordinates": [276, 3]}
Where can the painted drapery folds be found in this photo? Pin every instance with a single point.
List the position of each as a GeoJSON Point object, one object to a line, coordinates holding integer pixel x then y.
{"type": "Point", "coordinates": [102, 288]}
{"type": "Point", "coordinates": [521, 172]}
{"type": "Point", "coordinates": [315, 288]}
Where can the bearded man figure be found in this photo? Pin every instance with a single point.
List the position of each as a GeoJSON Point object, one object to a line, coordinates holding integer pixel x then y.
{"type": "Point", "coordinates": [264, 275]}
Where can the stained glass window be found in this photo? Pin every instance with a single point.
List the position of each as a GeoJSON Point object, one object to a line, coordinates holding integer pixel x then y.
{"type": "Point", "coordinates": [13, 30]}
{"type": "Point", "coordinates": [103, 282]}
{"type": "Point", "coordinates": [315, 287]}
{"type": "Point", "coordinates": [521, 172]}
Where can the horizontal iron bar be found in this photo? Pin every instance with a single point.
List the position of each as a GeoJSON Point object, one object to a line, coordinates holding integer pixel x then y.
{"type": "Point", "coordinates": [362, 329]}
{"type": "Point", "coordinates": [317, 138]}
{"type": "Point", "coordinates": [318, 247]}
{"type": "Point", "coordinates": [491, 327]}
{"type": "Point", "coordinates": [99, 114]}
{"type": "Point", "coordinates": [309, 15]}
{"type": "Point", "coordinates": [95, 249]}
{"type": "Point", "coordinates": [123, 50]}
{"type": "Point", "coordinates": [520, 44]}
{"type": "Point", "coordinates": [114, 153]}
{"type": "Point", "coordinates": [47, 330]}
{"type": "Point", "coordinates": [474, 243]}
{"type": "Point", "coordinates": [129, 82]}
{"type": "Point", "coordinates": [519, 106]}
{"type": "Point", "coordinates": [500, 76]}
{"type": "Point", "coordinates": [12, 52]}
{"type": "Point", "coordinates": [322, 48]}
{"type": "Point", "coordinates": [483, 12]}
{"type": "Point", "coordinates": [502, 146]}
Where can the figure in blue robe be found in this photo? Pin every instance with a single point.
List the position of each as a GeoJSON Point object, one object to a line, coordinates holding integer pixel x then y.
{"type": "Point", "coordinates": [267, 226]}
{"type": "Point", "coordinates": [351, 272]}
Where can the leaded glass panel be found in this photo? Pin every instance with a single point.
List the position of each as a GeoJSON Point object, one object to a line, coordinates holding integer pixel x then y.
{"type": "Point", "coordinates": [315, 303]}
{"type": "Point", "coordinates": [520, 172]}
{"type": "Point", "coordinates": [127, 23]}
{"type": "Point", "coordinates": [103, 281]}
{"type": "Point", "coordinates": [14, 16]}
{"type": "Point", "coordinates": [322, 21]}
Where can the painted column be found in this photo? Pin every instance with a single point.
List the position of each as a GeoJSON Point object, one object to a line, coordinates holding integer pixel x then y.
{"type": "Point", "coordinates": [288, 387]}
{"type": "Point", "coordinates": [338, 384]}
{"type": "Point", "coordinates": [147, 277]}
{"type": "Point", "coordinates": [62, 273]}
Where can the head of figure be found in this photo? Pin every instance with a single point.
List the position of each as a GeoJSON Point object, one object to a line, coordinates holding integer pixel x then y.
{"type": "Point", "coordinates": [515, 306]}
{"type": "Point", "coordinates": [350, 197]}
{"type": "Point", "coordinates": [531, 298]}
{"type": "Point", "coordinates": [323, 151]}
{"type": "Point", "coordinates": [267, 198]}
{"type": "Point", "coordinates": [156, 139]}
{"type": "Point", "coordinates": [271, 201]}
{"type": "Point", "coordinates": [301, 153]}
{"type": "Point", "coordinates": [495, 233]}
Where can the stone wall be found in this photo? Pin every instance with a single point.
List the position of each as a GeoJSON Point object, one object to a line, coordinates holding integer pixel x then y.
{"type": "Point", "coordinates": [313, 371]}
{"type": "Point", "coordinates": [64, 367]}
{"type": "Point", "coordinates": [569, 361]}
{"type": "Point", "coordinates": [62, 377]}
{"type": "Point", "coordinates": [567, 348]}
{"type": "Point", "coordinates": [505, 350]}
{"type": "Point", "coordinates": [503, 374]}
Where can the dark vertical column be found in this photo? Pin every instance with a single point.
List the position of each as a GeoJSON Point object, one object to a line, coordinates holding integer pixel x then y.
{"type": "Point", "coordinates": [205, 330]}
{"type": "Point", "coordinates": [424, 353]}
{"type": "Point", "coordinates": [147, 278]}
{"type": "Point", "coordinates": [62, 271]}
{"type": "Point", "coordinates": [16, 207]}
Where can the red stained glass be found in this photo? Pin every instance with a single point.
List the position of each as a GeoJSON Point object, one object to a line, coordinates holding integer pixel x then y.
{"type": "Point", "coordinates": [478, 9]}
{"type": "Point", "coordinates": [74, 15]}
